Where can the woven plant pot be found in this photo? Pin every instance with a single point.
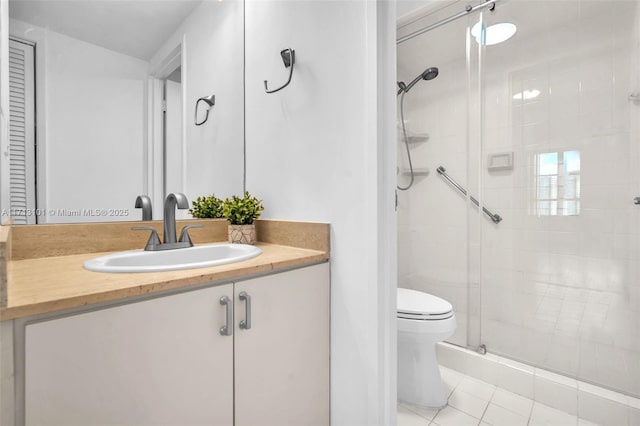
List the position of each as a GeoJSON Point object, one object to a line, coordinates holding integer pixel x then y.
{"type": "Point", "coordinates": [242, 234]}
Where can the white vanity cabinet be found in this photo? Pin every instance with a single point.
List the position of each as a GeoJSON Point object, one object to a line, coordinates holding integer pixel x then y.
{"type": "Point", "coordinates": [282, 361]}
{"type": "Point", "coordinates": [164, 361]}
{"type": "Point", "coordinates": [159, 361]}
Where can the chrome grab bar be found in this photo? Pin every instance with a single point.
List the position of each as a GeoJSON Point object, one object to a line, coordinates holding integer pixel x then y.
{"type": "Point", "coordinates": [494, 217]}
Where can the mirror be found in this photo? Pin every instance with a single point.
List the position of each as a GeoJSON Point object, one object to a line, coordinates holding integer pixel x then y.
{"type": "Point", "coordinates": [110, 111]}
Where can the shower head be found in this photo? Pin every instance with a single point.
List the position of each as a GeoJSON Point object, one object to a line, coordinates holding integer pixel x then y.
{"type": "Point", "coordinates": [428, 74]}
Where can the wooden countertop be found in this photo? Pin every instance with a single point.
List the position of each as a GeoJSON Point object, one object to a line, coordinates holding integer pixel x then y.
{"type": "Point", "coordinates": [50, 284]}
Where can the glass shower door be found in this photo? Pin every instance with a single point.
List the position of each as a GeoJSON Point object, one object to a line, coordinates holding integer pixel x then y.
{"type": "Point", "coordinates": [436, 220]}
{"type": "Point", "coordinates": [560, 274]}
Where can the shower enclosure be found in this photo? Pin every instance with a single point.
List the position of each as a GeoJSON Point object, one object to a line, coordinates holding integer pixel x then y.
{"type": "Point", "coordinates": [543, 130]}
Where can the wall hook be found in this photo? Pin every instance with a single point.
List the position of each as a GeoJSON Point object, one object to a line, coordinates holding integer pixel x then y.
{"type": "Point", "coordinates": [210, 101]}
{"type": "Point", "coordinates": [289, 58]}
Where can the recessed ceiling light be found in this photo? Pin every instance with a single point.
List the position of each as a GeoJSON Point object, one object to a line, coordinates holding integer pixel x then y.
{"type": "Point", "coordinates": [493, 34]}
{"type": "Point", "coordinates": [526, 94]}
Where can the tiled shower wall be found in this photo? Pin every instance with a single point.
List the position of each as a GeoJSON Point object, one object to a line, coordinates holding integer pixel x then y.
{"type": "Point", "coordinates": [560, 288]}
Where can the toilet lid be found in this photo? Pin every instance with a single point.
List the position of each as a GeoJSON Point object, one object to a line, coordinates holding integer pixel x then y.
{"type": "Point", "coordinates": [414, 304]}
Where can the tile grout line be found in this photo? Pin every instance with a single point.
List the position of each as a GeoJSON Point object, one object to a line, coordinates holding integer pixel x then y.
{"type": "Point", "coordinates": [530, 411]}
{"type": "Point", "coordinates": [488, 403]}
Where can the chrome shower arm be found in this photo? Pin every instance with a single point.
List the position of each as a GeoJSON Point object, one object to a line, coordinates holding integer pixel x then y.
{"type": "Point", "coordinates": [413, 83]}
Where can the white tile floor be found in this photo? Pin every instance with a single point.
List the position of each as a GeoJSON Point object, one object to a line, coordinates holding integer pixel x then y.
{"type": "Point", "coordinates": [473, 402]}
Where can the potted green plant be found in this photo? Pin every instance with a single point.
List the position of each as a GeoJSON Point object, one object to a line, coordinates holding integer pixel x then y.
{"type": "Point", "coordinates": [206, 207]}
{"type": "Point", "coordinates": [241, 213]}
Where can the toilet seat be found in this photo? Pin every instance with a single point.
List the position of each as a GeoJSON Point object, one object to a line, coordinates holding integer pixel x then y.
{"type": "Point", "coordinates": [429, 317]}
{"type": "Point", "coordinates": [416, 305]}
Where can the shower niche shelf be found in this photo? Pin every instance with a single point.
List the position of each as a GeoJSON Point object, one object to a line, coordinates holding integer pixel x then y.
{"type": "Point", "coordinates": [416, 139]}
{"type": "Point", "coordinates": [416, 172]}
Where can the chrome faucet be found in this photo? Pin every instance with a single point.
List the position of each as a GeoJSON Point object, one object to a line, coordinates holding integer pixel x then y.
{"type": "Point", "coordinates": [172, 201]}
{"type": "Point", "coordinates": [144, 202]}
{"type": "Point", "coordinates": [170, 242]}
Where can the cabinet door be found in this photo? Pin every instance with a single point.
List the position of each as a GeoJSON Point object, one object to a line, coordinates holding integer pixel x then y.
{"type": "Point", "coordinates": [282, 361]}
{"type": "Point", "coordinates": [159, 361]}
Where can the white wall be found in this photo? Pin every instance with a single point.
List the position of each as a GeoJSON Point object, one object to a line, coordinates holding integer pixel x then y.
{"type": "Point", "coordinates": [404, 8]}
{"type": "Point", "coordinates": [323, 149]}
{"type": "Point", "coordinates": [173, 170]}
{"type": "Point", "coordinates": [91, 127]}
{"type": "Point", "coordinates": [212, 64]}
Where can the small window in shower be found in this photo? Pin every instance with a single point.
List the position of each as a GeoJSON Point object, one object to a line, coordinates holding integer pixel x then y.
{"type": "Point", "coordinates": [558, 183]}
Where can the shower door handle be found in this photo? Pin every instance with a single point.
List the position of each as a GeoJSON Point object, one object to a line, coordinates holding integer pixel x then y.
{"type": "Point", "coordinates": [636, 201]}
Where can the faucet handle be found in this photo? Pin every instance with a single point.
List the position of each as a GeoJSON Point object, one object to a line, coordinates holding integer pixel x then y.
{"type": "Point", "coordinates": [184, 234]}
{"type": "Point", "coordinates": [153, 240]}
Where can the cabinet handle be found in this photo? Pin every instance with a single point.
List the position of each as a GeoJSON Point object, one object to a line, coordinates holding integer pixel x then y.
{"type": "Point", "coordinates": [227, 329]}
{"type": "Point", "coordinates": [246, 323]}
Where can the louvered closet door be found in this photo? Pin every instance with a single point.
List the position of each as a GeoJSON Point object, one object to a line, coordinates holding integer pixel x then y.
{"type": "Point", "coordinates": [22, 132]}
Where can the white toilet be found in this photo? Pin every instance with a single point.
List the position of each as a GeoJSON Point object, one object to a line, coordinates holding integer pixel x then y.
{"type": "Point", "coordinates": [423, 321]}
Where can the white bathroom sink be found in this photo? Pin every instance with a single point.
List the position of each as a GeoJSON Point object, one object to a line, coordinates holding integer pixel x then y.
{"type": "Point", "coordinates": [200, 256]}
